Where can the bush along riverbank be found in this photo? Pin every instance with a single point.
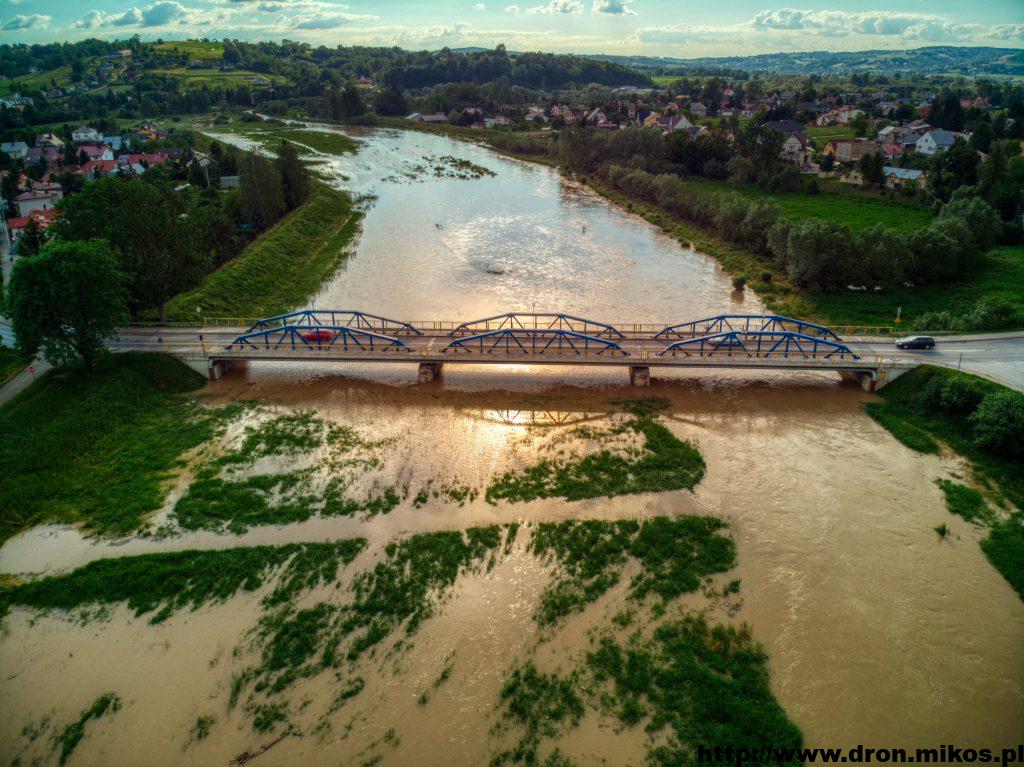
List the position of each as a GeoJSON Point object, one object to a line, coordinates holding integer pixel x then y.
{"type": "Point", "coordinates": [329, 613]}
{"type": "Point", "coordinates": [982, 421]}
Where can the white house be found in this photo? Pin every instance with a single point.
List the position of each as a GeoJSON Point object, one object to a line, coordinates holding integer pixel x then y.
{"type": "Point", "coordinates": [85, 133]}
{"type": "Point", "coordinates": [935, 141]}
{"type": "Point", "coordinates": [36, 200]}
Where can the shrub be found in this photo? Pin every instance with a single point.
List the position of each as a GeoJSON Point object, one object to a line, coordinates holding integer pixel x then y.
{"type": "Point", "coordinates": [739, 282]}
{"type": "Point", "coordinates": [998, 424]}
{"type": "Point", "coordinates": [766, 277]}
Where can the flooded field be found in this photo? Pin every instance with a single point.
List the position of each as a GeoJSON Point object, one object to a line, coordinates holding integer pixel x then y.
{"type": "Point", "coordinates": [876, 630]}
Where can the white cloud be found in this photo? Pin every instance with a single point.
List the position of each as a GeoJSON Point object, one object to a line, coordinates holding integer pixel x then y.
{"type": "Point", "coordinates": [162, 13]}
{"type": "Point", "coordinates": [614, 7]}
{"type": "Point", "coordinates": [512, 9]}
{"type": "Point", "coordinates": [30, 21]}
{"type": "Point", "coordinates": [480, 7]}
{"type": "Point", "coordinates": [326, 20]}
{"type": "Point", "coordinates": [558, 6]}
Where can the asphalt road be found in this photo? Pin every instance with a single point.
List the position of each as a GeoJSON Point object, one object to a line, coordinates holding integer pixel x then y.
{"type": "Point", "coordinates": [999, 357]}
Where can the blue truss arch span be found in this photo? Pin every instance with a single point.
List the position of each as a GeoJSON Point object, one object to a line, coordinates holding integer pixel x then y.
{"type": "Point", "coordinates": [535, 343]}
{"type": "Point", "coordinates": [338, 318]}
{"type": "Point", "coordinates": [538, 321]}
{"type": "Point", "coordinates": [759, 345]}
{"type": "Point", "coordinates": [318, 338]}
{"type": "Point", "coordinates": [745, 323]}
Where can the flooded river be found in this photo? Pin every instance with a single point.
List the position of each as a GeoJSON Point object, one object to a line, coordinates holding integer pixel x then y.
{"type": "Point", "coordinates": [877, 631]}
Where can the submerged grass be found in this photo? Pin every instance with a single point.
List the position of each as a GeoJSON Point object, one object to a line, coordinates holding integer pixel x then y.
{"type": "Point", "coordinates": [664, 463]}
{"type": "Point", "coordinates": [675, 553]}
{"type": "Point", "coordinates": [72, 735]}
{"type": "Point", "coordinates": [282, 268]}
{"type": "Point", "coordinates": [964, 501]}
{"type": "Point", "coordinates": [97, 447]}
{"type": "Point", "coordinates": [707, 684]}
{"type": "Point", "coordinates": [168, 582]}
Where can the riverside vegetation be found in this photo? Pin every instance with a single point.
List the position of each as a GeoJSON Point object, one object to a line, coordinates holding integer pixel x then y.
{"type": "Point", "coordinates": [295, 639]}
{"type": "Point", "coordinates": [982, 421]}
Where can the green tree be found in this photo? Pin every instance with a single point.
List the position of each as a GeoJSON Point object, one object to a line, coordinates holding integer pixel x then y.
{"type": "Point", "coordinates": [818, 253]}
{"type": "Point", "coordinates": [980, 218]}
{"type": "Point", "coordinates": [67, 301]}
{"type": "Point", "coordinates": [262, 194]}
{"type": "Point", "coordinates": [998, 424]}
{"type": "Point", "coordinates": [981, 137]}
{"type": "Point", "coordinates": [294, 179]}
{"type": "Point", "coordinates": [391, 101]}
{"type": "Point", "coordinates": [32, 239]}
{"type": "Point", "coordinates": [147, 225]}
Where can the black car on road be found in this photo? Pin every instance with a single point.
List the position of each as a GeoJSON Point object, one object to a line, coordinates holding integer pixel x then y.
{"type": "Point", "coordinates": [915, 342]}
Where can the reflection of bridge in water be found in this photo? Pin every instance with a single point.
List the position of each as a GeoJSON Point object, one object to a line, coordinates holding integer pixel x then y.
{"type": "Point", "coordinates": [725, 341]}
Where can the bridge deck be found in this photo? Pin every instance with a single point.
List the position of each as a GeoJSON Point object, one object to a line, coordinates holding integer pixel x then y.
{"type": "Point", "coordinates": [636, 350]}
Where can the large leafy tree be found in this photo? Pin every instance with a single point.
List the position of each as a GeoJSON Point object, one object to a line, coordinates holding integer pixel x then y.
{"type": "Point", "coordinates": [294, 179]}
{"type": "Point", "coordinates": [147, 225]}
{"type": "Point", "coordinates": [67, 301]}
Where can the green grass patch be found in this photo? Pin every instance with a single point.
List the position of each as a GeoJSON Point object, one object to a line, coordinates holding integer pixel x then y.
{"type": "Point", "coordinates": [97, 447]}
{"type": "Point", "coordinates": [964, 501]}
{"type": "Point", "coordinates": [194, 49]}
{"type": "Point", "coordinates": [1004, 548]}
{"type": "Point", "coordinates": [541, 704]}
{"type": "Point", "coordinates": [707, 684]}
{"type": "Point", "coordinates": [36, 81]}
{"type": "Point", "coordinates": [664, 463]}
{"type": "Point", "coordinates": [675, 553]}
{"type": "Point", "coordinates": [906, 432]}
{"type": "Point", "coordinates": [166, 583]}
{"type": "Point", "coordinates": [72, 735]}
{"type": "Point", "coordinates": [854, 208]}
{"type": "Point", "coordinates": [282, 268]}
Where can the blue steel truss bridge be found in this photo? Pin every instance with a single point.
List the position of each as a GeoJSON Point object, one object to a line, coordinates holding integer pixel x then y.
{"type": "Point", "coordinates": [323, 335]}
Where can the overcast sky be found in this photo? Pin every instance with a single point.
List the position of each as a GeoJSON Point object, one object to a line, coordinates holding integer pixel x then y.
{"type": "Point", "coordinates": [683, 28]}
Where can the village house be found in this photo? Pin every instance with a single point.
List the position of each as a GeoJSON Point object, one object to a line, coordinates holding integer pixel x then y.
{"type": "Point", "coordinates": [838, 116]}
{"type": "Point", "coordinates": [17, 224]}
{"type": "Point", "coordinates": [94, 151]}
{"type": "Point", "coordinates": [48, 140]}
{"type": "Point", "coordinates": [902, 178]}
{"type": "Point", "coordinates": [47, 154]}
{"type": "Point", "coordinates": [535, 114]}
{"type": "Point", "coordinates": [437, 117]}
{"type": "Point", "coordinates": [15, 150]}
{"type": "Point", "coordinates": [851, 150]}
{"type": "Point", "coordinates": [698, 110]}
{"type": "Point", "coordinates": [935, 141]}
{"type": "Point", "coordinates": [85, 133]}
{"type": "Point", "coordinates": [37, 199]}
{"type": "Point", "coordinates": [794, 150]}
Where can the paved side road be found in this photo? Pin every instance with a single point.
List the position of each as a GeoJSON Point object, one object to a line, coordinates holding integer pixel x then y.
{"type": "Point", "coordinates": [998, 357]}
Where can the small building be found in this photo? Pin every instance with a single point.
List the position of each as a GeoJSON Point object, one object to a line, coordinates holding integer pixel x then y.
{"type": "Point", "coordinates": [698, 110]}
{"type": "Point", "coordinates": [48, 140]}
{"type": "Point", "coordinates": [229, 182]}
{"type": "Point", "coordinates": [17, 224]}
{"type": "Point", "coordinates": [85, 133]}
{"type": "Point", "coordinates": [903, 178]}
{"type": "Point", "coordinates": [437, 117]}
{"type": "Point", "coordinates": [794, 150]}
{"type": "Point", "coordinates": [37, 199]}
{"type": "Point", "coordinates": [15, 150]}
{"type": "Point", "coordinates": [935, 141]}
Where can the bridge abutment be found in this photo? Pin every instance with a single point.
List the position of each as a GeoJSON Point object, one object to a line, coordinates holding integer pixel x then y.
{"type": "Point", "coordinates": [639, 375]}
{"type": "Point", "coordinates": [207, 368]}
{"type": "Point", "coordinates": [428, 371]}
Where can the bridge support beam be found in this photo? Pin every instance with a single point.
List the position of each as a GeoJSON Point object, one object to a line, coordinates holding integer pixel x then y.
{"type": "Point", "coordinates": [428, 371]}
{"type": "Point", "coordinates": [639, 375]}
{"type": "Point", "coordinates": [866, 380]}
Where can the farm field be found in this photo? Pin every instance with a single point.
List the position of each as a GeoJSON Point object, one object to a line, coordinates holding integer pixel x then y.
{"type": "Point", "coordinates": [196, 50]}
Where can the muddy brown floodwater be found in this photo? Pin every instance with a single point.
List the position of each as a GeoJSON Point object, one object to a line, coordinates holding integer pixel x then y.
{"type": "Point", "coordinates": [877, 631]}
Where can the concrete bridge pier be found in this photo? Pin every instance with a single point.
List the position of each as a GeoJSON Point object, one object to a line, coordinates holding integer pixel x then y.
{"type": "Point", "coordinates": [639, 375]}
{"type": "Point", "coordinates": [428, 371]}
{"type": "Point", "coordinates": [865, 379]}
{"type": "Point", "coordinates": [210, 369]}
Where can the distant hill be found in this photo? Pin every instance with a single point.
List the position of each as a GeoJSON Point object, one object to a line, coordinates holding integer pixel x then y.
{"type": "Point", "coordinates": [971, 62]}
